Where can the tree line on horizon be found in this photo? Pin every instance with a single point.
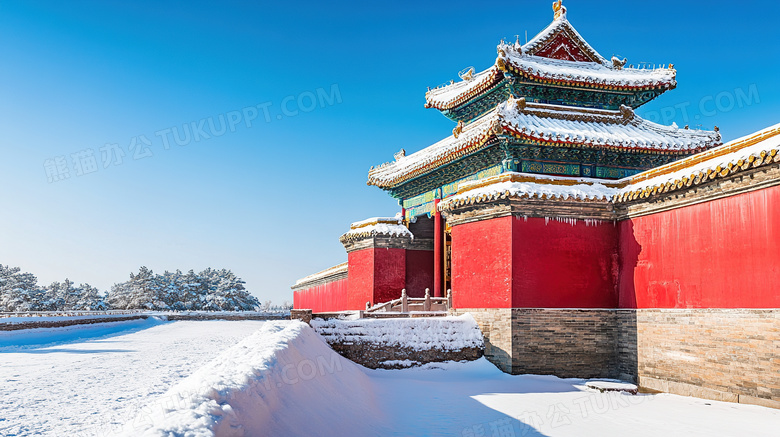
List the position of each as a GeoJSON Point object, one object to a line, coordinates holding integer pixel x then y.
{"type": "Point", "coordinates": [208, 290]}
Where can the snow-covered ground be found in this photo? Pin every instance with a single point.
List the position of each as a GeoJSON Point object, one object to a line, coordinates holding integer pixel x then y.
{"type": "Point", "coordinates": [283, 380]}
{"type": "Point", "coordinates": [89, 380]}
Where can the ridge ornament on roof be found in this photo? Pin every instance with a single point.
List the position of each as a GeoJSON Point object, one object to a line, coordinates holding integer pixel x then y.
{"type": "Point", "coordinates": [559, 9]}
{"type": "Point", "coordinates": [555, 65]}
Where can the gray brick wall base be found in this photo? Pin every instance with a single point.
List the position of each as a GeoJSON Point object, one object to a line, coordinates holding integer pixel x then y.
{"type": "Point", "coordinates": [721, 354]}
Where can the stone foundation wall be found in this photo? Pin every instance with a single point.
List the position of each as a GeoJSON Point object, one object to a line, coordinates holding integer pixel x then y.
{"type": "Point", "coordinates": [383, 356]}
{"type": "Point", "coordinates": [722, 354]}
{"type": "Point", "coordinates": [496, 327]}
{"type": "Point", "coordinates": [562, 342]}
{"type": "Point", "coordinates": [566, 343]}
{"type": "Point", "coordinates": [402, 342]}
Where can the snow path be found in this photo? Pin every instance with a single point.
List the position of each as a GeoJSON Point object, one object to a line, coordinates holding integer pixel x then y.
{"type": "Point", "coordinates": [97, 377]}
{"type": "Point", "coordinates": [476, 399]}
{"type": "Point", "coordinates": [93, 385]}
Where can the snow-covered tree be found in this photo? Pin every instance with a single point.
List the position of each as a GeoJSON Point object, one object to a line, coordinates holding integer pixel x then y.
{"type": "Point", "coordinates": [19, 291]}
{"type": "Point", "coordinates": [209, 290]}
{"type": "Point", "coordinates": [142, 291]}
{"type": "Point", "coordinates": [90, 298]}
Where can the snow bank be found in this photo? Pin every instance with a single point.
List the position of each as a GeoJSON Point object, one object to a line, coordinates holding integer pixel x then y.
{"type": "Point", "coordinates": [42, 337]}
{"type": "Point", "coordinates": [281, 380]}
{"type": "Point", "coordinates": [446, 333]}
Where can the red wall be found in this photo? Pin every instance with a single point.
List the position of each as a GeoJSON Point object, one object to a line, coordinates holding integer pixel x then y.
{"type": "Point", "coordinates": [419, 272]}
{"type": "Point", "coordinates": [323, 298]}
{"type": "Point", "coordinates": [720, 254]}
{"type": "Point", "coordinates": [559, 265]}
{"type": "Point", "coordinates": [389, 274]}
{"type": "Point", "coordinates": [482, 264]}
{"type": "Point", "coordinates": [361, 276]}
{"type": "Point", "coordinates": [375, 275]}
{"type": "Point", "coordinates": [517, 263]}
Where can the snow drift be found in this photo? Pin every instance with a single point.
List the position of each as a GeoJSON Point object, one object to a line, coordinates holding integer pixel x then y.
{"type": "Point", "coordinates": [446, 333]}
{"type": "Point", "coordinates": [281, 380]}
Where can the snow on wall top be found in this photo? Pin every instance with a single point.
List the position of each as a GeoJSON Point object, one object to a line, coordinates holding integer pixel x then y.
{"type": "Point", "coordinates": [550, 125]}
{"type": "Point", "coordinates": [376, 220]}
{"type": "Point", "coordinates": [450, 333]}
{"type": "Point", "coordinates": [377, 226]}
{"type": "Point", "coordinates": [523, 185]}
{"type": "Point", "coordinates": [754, 150]}
{"type": "Point", "coordinates": [335, 270]}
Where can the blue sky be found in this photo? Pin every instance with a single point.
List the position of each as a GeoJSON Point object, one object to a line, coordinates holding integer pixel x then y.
{"type": "Point", "coordinates": [269, 198]}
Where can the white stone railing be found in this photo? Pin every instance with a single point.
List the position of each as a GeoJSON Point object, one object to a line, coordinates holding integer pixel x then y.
{"type": "Point", "coordinates": [407, 304]}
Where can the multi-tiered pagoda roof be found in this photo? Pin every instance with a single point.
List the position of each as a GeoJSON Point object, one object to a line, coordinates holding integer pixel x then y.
{"type": "Point", "coordinates": [556, 65]}
{"type": "Point", "coordinates": [551, 106]}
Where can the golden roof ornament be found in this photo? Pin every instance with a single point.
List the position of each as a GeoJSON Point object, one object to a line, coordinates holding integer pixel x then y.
{"type": "Point", "coordinates": [516, 103]}
{"type": "Point", "coordinates": [458, 129]}
{"type": "Point", "coordinates": [559, 9]}
{"type": "Point", "coordinates": [497, 128]}
{"type": "Point", "coordinates": [467, 73]}
{"type": "Point", "coordinates": [500, 63]}
{"type": "Point", "coordinates": [627, 112]}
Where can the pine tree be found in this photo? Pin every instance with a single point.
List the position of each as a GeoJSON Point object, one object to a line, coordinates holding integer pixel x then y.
{"type": "Point", "coordinates": [19, 291]}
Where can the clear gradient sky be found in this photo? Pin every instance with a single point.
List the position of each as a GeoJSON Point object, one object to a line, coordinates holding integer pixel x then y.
{"type": "Point", "coordinates": [270, 201]}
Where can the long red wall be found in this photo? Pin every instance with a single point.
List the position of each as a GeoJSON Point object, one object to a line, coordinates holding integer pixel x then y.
{"type": "Point", "coordinates": [331, 296]}
{"type": "Point", "coordinates": [724, 253]}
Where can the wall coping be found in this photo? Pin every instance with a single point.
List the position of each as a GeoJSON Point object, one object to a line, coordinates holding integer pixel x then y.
{"type": "Point", "coordinates": [333, 274]}
{"type": "Point", "coordinates": [384, 241]}
{"type": "Point", "coordinates": [680, 195]}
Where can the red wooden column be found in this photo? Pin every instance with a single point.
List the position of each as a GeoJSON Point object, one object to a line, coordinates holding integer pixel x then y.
{"type": "Point", "coordinates": [437, 250]}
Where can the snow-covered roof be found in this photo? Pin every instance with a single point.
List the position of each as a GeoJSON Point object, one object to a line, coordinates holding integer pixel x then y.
{"type": "Point", "coordinates": [453, 95]}
{"type": "Point", "coordinates": [523, 185]}
{"type": "Point", "coordinates": [335, 270]}
{"type": "Point", "coordinates": [594, 72]}
{"type": "Point", "coordinates": [376, 226]}
{"type": "Point", "coordinates": [760, 148]}
{"type": "Point", "coordinates": [561, 25]}
{"type": "Point", "coordinates": [754, 150]}
{"type": "Point", "coordinates": [550, 125]}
